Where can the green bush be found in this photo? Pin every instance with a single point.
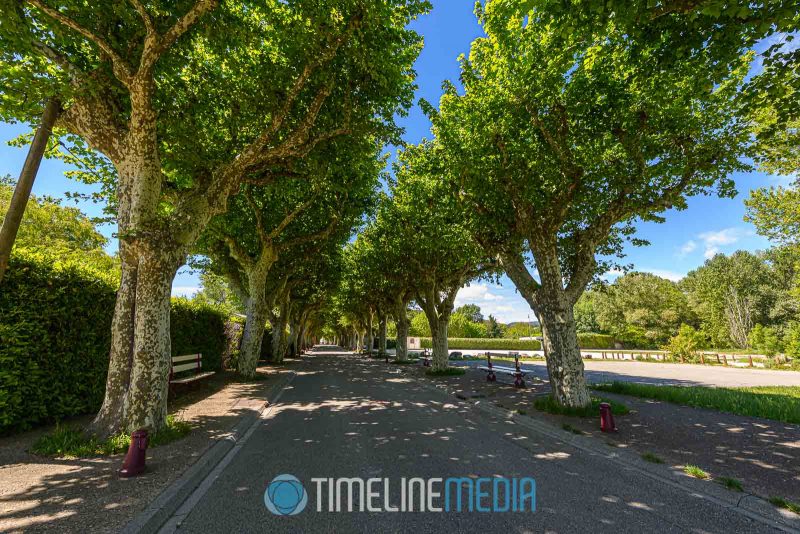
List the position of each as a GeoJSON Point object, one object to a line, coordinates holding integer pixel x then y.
{"type": "Point", "coordinates": [198, 328]}
{"type": "Point", "coordinates": [586, 341]}
{"type": "Point", "coordinates": [477, 343]}
{"type": "Point", "coordinates": [595, 341]}
{"type": "Point", "coordinates": [55, 335]}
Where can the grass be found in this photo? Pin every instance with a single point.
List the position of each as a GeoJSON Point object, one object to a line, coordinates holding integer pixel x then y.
{"type": "Point", "coordinates": [652, 458]}
{"type": "Point", "coordinates": [696, 472]}
{"type": "Point", "coordinates": [449, 371]}
{"type": "Point", "coordinates": [550, 405]}
{"type": "Point", "coordinates": [731, 483]}
{"type": "Point", "coordinates": [770, 402]}
{"type": "Point", "coordinates": [72, 442]}
{"type": "Point", "coordinates": [780, 502]}
{"type": "Point", "coordinates": [570, 428]}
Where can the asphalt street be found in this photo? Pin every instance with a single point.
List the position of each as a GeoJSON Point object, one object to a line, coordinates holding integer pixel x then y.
{"type": "Point", "coordinates": [346, 417]}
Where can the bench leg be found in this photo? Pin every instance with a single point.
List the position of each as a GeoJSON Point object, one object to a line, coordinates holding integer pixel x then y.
{"type": "Point", "coordinates": [490, 377]}
{"type": "Point", "coordinates": [519, 382]}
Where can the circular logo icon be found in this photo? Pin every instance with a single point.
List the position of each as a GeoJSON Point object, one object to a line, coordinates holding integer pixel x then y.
{"type": "Point", "coordinates": [285, 495]}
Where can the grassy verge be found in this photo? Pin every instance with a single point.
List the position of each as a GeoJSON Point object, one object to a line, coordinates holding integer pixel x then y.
{"type": "Point", "coordinates": [770, 402]}
{"type": "Point", "coordinates": [71, 442]}
{"type": "Point", "coordinates": [550, 405]}
{"type": "Point", "coordinates": [450, 371]}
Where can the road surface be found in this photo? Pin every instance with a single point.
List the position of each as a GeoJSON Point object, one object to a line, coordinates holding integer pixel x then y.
{"type": "Point", "coordinates": [345, 417]}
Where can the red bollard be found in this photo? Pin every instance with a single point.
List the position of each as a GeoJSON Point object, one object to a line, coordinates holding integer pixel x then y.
{"type": "Point", "coordinates": [134, 460]}
{"type": "Point", "coordinates": [606, 418]}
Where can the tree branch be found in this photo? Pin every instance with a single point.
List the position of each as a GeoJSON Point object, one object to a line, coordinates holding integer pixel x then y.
{"type": "Point", "coordinates": [148, 22]}
{"type": "Point", "coordinates": [121, 68]}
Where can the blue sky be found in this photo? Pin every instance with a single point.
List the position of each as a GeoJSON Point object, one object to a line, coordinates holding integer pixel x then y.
{"type": "Point", "coordinates": [680, 244]}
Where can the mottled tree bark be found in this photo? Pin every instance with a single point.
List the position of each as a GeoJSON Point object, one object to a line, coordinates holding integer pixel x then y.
{"type": "Point", "coordinates": [382, 335]}
{"type": "Point", "coordinates": [401, 320]}
{"type": "Point", "coordinates": [553, 304]}
{"type": "Point", "coordinates": [441, 352]}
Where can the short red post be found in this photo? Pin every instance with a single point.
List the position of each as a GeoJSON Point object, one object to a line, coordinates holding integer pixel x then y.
{"type": "Point", "coordinates": [606, 418]}
{"type": "Point", "coordinates": [134, 460]}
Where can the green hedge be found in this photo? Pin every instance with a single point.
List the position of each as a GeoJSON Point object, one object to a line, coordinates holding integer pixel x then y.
{"type": "Point", "coordinates": [595, 341]}
{"type": "Point", "coordinates": [55, 334]}
{"type": "Point", "coordinates": [198, 328]}
{"type": "Point", "coordinates": [477, 343]}
{"type": "Point", "coordinates": [586, 341]}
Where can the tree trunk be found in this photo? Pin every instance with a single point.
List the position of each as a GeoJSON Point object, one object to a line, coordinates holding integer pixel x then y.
{"type": "Point", "coordinates": [22, 191]}
{"type": "Point", "coordinates": [253, 336]}
{"type": "Point", "coordinates": [146, 401]}
{"type": "Point", "coordinates": [279, 334]}
{"type": "Point", "coordinates": [441, 353]}
{"type": "Point", "coordinates": [402, 334]}
{"type": "Point", "coordinates": [108, 419]}
{"type": "Point", "coordinates": [370, 338]}
{"type": "Point", "coordinates": [382, 336]}
{"type": "Point", "coordinates": [560, 336]}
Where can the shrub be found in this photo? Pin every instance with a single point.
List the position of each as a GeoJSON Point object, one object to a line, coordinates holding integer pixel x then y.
{"type": "Point", "coordinates": [198, 328]}
{"type": "Point", "coordinates": [586, 341]}
{"type": "Point", "coordinates": [595, 341]}
{"type": "Point", "coordinates": [685, 343]}
{"type": "Point", "coordinates": [55, 335]}
{"type": "Point", "coordinates": [479, 343]}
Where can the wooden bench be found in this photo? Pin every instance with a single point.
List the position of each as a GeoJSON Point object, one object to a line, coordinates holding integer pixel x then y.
{"type": "Point", "coordinates": [424, 357]}
{"type": "Point", "coordinates": [188, 362]}
{"type": "Point", "coordinates": [491, 369]}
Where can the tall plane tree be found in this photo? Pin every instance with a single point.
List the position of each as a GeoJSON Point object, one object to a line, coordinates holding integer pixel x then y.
{"type": "Point", "coordinates": [562, 139]}
{"type": "Point", "coordinates": [187, 101]}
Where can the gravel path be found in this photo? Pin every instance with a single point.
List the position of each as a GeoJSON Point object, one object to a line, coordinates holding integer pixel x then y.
{"type": "Point", "coordinates": [85, 495]}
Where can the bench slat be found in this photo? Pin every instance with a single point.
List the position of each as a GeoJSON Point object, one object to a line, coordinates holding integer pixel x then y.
{"type": "Point", "coordinates": [192, 378]}
{"type": "Point", "coordinates": [185, 367]}
{"type": "Point", "coordinates": [187, 358]}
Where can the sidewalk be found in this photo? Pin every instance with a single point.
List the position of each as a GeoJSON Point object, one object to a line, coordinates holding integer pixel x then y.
{"type": "Point", "coordinates": [86, 495]}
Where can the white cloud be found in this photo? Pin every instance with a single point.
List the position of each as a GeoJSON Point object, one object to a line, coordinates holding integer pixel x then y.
{"type": "Point", "coordinates": [663, 273]}
{"type": "Point", "coordinates": [612, 274]}
{"type": "Point", "coordinates": [687, 248]}
{"type": "Point", "coordinates": [184, 291]}
{"type": "Point", "coordinates": [714, 241]}
{"type": "Point", "coordinates": [475, 294]}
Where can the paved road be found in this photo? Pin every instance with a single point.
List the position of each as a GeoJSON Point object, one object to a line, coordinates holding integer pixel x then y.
{"type": "Point", "coordinates": [671, 374]}
{"type": "Point", "coordinates": [350, 418]}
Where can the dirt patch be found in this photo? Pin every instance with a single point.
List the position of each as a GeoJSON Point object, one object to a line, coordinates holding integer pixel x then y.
{"type": "Point", "coordinates": [86, 495]}
{"type": "Point", "coordinates": [764, 455]}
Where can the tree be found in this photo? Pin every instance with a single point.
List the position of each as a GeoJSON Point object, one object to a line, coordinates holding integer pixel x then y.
{"type": "Point", "coordinates": [22, 192]}
{"type": "Point", "coordinates": [493, 329]}
{"type": "Point", "coordinates": [461, 325]}
{"type": "Point", "coordinates": [563, 139]}
{"type": "Point", "coordinates": [765, 339]}
{"type": "Point", "coordinates": [642, 303]}
{"type": "Point", "coordinates": [217, 292]}
{"type": "Point", "coordinates": [685, 343]}
{"type": "Point", "coordinates": [425, 222]}
{"type": "Point", "coordinates": [473, 311]}
{"type": "Point", "coordinates": [187, 107]}
{"type": "Point", "coordinates": [586, 310]}
{"type": "Point", "coordinates": [263, 223]}
{"type": "Point", "coordinates": [62, 231]}
{"type": "Point", "coordinates": [730, 294]}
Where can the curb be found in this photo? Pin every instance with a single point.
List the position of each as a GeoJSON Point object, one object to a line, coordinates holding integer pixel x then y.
{"type": "Point", "coordinates": [162, 508]}
{"type": "Point", "coordinates": [747, 504]}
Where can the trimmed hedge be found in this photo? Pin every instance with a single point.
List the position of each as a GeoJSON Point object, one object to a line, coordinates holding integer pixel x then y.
{"type": "Point", "coordinates": [595, 341]}
{"type": "Point", "coordinates": [55, 335]}
{"type": "Point", "coordinates": [586, 341]}
{"type": "Point", "coordinates": [477, 343]}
